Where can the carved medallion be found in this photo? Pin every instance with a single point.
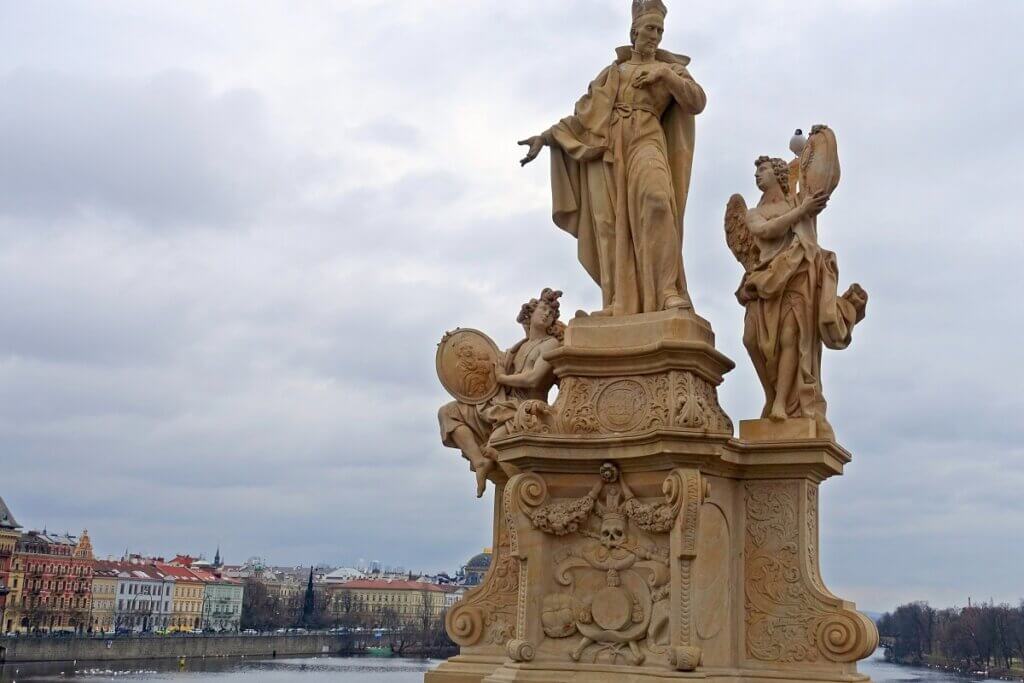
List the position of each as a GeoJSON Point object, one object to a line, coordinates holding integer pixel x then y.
{"type": "Point", "coordinates": [465, 365]}
{"type": "Point", "coordinates": [621, 405]}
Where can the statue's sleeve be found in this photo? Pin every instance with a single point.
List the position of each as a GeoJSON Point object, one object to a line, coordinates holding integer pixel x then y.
{"type": "Point", "coordinates": [836, 315]}
{"type": "Point", "coordinates": [690, 96]}
{"type": "Point", "coordinates": [583, 136]}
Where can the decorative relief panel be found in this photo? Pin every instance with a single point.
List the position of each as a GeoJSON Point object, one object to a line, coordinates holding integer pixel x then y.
{"type": "Point", "coordinates": [601, 406]}
{"type": "Point", "coordinates": [788, 617]}
{"type": "Point", "coordinates": [612, 566]}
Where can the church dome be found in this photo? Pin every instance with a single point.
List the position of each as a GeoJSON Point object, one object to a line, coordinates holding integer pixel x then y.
{"type": "Point", "coordinates": [481, 561]}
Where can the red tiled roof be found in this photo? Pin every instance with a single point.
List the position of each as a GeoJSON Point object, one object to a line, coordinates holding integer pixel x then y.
{"type": "Point", "coordinates": [179, 573]}
{"type": "Point", "coordinates": [132, 569]}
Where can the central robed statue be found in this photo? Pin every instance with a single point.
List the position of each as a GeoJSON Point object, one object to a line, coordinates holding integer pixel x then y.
{"type": "Point", "coordinates": [620, 170]}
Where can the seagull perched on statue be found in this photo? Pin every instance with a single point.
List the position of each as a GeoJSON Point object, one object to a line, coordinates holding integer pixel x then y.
{"type": "Point", "coordinates": [797, 142]}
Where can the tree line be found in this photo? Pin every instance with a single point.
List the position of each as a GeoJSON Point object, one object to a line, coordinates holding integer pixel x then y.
{"type": "Point", "coordinates": [984, 637]}
{"type": "Point", "coordinates": [266, 610]}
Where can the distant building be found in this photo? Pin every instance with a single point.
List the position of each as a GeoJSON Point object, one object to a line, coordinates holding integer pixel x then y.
{"type": "Point", "coordinates": [52, 577]}
{"type": "Point", "coordinates": [453, 595]}
{"type": "Point", "coordinates": [10, 533]}
{"type": "Point", "coordinates": [188, 596]}
{"type": "Point", "coordinates": [343, 575]}
{"type": "Point", "coordinates": [104, 596]}
{"type": "Point", "coordinates": [378, 601]}
{"type": "Point", "coordinates": [222, 601]}
{"type": "Point", "coordinates": [476, 569]}
{"type": "Point", "coordinates": [145, 596]}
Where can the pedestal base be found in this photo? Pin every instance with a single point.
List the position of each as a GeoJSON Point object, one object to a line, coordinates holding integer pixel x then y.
{"type": "Point", "coordinates": [778, 430]}
{"type": "Point", "coordinates": [636, 540]}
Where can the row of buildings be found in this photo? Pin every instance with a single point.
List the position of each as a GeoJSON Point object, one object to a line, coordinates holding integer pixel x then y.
{"type": "Point", "coordinates": [53, 582]}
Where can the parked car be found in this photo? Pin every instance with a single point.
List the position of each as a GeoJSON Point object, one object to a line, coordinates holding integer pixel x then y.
{"type": "Point", "coordinates": [250, 632]}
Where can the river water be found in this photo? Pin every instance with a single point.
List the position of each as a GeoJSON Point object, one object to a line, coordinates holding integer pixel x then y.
{"type": "Point", "coordinates": [324, 670]}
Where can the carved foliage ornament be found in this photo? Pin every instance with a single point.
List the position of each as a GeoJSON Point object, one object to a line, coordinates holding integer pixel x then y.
{"type": "Point", "coordinates": [595, 406]}
{"type": "Point", "coordinates": [790, 619]}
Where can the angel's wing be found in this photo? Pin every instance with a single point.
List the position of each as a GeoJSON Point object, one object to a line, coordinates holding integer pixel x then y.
{"type": "Point", "coordinates": [738, 236]}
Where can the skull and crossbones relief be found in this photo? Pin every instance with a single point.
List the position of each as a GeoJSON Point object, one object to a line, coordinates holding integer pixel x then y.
{"type": "Point", "coordinates": [615, 580]}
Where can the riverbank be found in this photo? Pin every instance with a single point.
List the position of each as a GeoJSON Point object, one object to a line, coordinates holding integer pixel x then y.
{"type": "Point", "coordinates": [173, 647]}
{"type": "Point", "coordinates": [989, 673]}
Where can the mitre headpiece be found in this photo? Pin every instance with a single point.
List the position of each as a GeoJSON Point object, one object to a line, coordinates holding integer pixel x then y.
{"type": "Point", "coordinates": [642, 7]}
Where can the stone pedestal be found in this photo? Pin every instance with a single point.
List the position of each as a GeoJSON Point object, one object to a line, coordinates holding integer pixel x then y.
{"type": "Point", "coordinates": [636, 540]}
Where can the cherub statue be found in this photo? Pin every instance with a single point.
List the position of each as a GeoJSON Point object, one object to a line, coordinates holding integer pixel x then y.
{"type": "Point", "coordinates": [521, 375]}
{"type": "Point", "coordinates": [790, 285]}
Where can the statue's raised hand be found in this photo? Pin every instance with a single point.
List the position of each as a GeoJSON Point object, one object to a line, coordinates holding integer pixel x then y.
{"type": "Point", "coordinates": [650, 75]}
{"type": "Point", "coordinates": [814, 204]}
{"type": "Point", "coordinates": [536, 144]}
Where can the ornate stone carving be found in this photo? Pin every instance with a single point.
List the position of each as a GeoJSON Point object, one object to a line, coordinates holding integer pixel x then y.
{"type": "Point", "coordinates": [789, 619]}
{"type": "Point", "coordinates": [617, 593]}
{"type": "Point", "coordinates": [465, 365]}
{"type": "Point", "coordinates": [487, 614]}
{"type": "Point", "coordinates": [685, 658]}
{"type": "Point", "coordinates": [591, 406]}
{"type": "Point", "coordinates": [696, 404]}
{"type": "Point", "coordinates": [812, 536]}
{"type": "Point", "coordinates": [520, 651]}
{"type": "Point", "coordinates": [622, 405]}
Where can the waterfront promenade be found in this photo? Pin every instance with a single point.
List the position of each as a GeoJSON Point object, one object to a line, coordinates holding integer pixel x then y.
{"type": "Point", "coordinates": [56, 649]}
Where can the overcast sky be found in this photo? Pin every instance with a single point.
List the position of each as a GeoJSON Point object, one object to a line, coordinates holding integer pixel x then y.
{"type": "Point", "coordinates": [231, 234]}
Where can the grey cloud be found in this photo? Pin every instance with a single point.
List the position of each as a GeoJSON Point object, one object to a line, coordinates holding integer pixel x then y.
{"type": "Point", "coordinates": [389, 131]}
{"type": "Point", "coordinates": [266, 379]}
{"type": "Point", "coordinates": [162, 151]}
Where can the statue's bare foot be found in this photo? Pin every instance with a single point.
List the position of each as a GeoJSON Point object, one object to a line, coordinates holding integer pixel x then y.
{"type": "Point", "coordinates": [482, 470]}
{"type": "Point", "coordinates": [638, 656]}
{"type": "Point", "coordinates": [603, 313]}
{"type": "Point", "coordinates": [778, 414]}
{"type": "Point", "coordinates": [678, 301]}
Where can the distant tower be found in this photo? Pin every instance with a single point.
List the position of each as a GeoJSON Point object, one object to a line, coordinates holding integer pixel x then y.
{"type": "Point", "coordinates": [309, 604]}
{"type": "Point", "coordinates": [83, 549]}
{"type": "Point", "coordinates": [216, 558]}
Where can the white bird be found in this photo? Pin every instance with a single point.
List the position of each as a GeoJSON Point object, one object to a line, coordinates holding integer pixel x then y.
{"type": "Point", "coordinates": [797, 142]}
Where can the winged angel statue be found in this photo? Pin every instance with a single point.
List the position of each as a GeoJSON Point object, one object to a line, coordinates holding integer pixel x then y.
{"type": "Point", "coordinates": [790, 287]}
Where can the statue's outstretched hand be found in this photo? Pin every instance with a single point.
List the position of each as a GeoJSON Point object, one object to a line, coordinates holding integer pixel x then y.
{"type": "Point", "coordinates": [536, 144]}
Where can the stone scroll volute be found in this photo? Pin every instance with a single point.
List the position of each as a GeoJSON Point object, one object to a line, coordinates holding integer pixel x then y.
{"type": "Point", "coordinates": [484, 619]}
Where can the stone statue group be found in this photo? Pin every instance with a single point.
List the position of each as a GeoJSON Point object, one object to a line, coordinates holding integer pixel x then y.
{"type": "Point", "coordinates": [620, 176]}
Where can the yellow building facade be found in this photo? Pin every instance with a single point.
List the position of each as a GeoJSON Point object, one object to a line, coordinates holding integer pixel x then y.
{"type": "Point", "coordinates": [104, 597]}
{"type": "Point", "coordinates": [187, 608]}
{"type": "Point", "coordinates": [377, 601]}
